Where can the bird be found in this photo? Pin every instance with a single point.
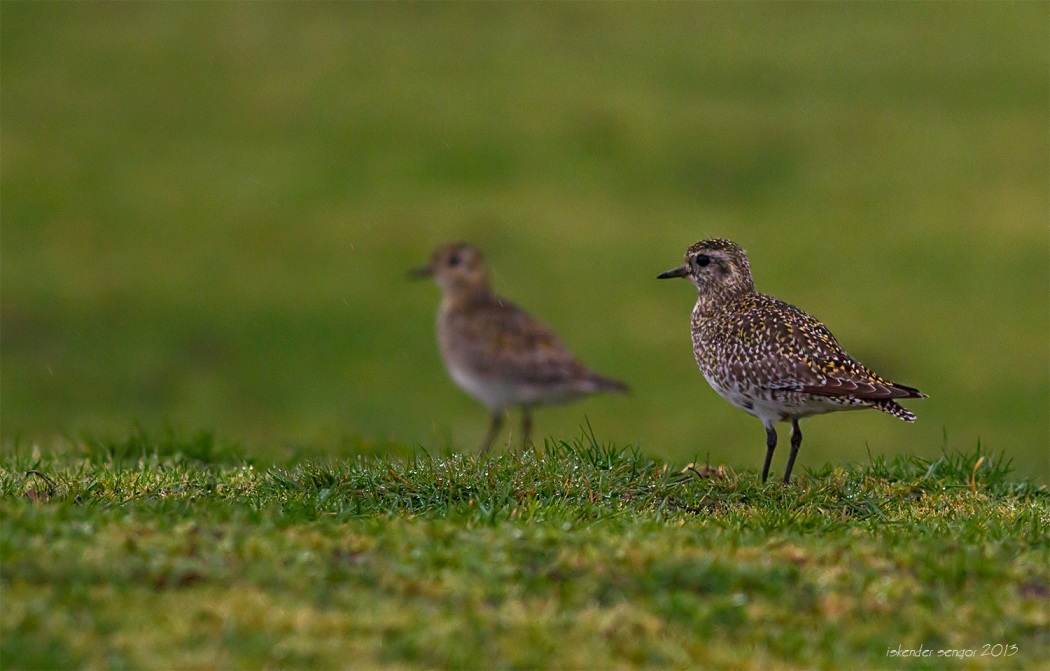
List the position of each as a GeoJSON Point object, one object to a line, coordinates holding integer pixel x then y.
{"type": "Point", "coordinates": [498, 352]}
{"type": "Point", "coordinates": [768, 357]}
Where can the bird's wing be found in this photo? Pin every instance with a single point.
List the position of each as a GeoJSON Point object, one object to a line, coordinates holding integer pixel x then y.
{"type": "Point", "coordinates": [819, 365]}
{"type": "Point", "coordinates": [511, 342]}
{"type": "Point", "coordinates": [837, 378]}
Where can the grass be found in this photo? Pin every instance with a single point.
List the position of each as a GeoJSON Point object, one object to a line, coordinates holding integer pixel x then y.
{"type": "Point", "coordinates": [209, 209]}
{"type": "Point", "coordinates": [161, 551]}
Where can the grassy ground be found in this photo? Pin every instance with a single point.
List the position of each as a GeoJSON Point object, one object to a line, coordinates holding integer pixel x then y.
{"type": "Point", "coordinates": [166, 552]}
{"type": "Point", "coordinates": [209, 209]}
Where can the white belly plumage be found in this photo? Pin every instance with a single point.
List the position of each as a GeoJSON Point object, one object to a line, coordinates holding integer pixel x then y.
{"type": "Point", "coordinates": [498, 394]}
{"type": "Point", "coordinates": [777, 406]}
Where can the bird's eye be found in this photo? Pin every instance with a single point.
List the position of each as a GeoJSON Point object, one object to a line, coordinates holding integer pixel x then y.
{"type": "Point", "coordinates": [702, 260]}
{"type": "Point", "coordinates": [454, 260]}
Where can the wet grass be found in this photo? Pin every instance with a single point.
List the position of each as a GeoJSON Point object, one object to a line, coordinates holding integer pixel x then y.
{"type": "Point", "coordinates": [166, 551]}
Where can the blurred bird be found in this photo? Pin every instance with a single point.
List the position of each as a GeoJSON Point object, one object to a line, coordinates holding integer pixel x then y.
{"type": "Point", "coordinates": [769, 358]}
{"type": "Point", "coordinates": [497, 352]}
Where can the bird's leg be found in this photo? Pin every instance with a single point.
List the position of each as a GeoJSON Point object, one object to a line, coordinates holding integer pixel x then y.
{"type": "Point", "coordinates": [526, 426]}
{"type": "Point", "coordinates": [796, 442]}
{"type": "Point", "coordinates": [497, 422]}
{"type": "Point", "coordinates": [771, 444]}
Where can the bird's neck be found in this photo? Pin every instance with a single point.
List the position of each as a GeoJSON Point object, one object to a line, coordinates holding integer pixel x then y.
{"type": "Point", "coordinates": [466, 294]}
{"type": "Point", "coordinates": [712, 300]}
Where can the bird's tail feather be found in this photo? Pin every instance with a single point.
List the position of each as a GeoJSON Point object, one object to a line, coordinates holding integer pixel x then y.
{"type": "Point", "coordinates": [895, 409]}
{"type": "Point", "coordinates": [597, 382]}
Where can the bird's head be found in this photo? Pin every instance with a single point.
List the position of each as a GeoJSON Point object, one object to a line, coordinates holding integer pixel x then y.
{"type": "Point", "coordinates": [456, 267]}
{"type": "Point", "coordinates": [715, 266]}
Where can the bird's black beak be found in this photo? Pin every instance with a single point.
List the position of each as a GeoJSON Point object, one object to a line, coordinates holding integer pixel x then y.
{"type": "Point", "coordinates": [680, 271]}
{"type": "Point", "coordinates": [420, 273]}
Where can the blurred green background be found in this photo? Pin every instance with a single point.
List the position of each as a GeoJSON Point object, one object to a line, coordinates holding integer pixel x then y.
{"type": "Point", "coordinates": [208, 212]}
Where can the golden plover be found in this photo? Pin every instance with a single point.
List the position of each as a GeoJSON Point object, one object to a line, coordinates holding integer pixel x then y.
{"type": "Point", "coordinates": [496, 351]}
{"type": "Point", "coordinates": [769, 358]}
